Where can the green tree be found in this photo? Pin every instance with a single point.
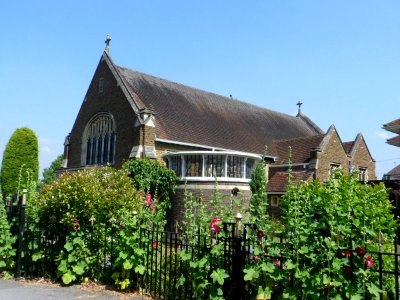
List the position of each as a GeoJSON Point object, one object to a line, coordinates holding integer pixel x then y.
{"type": "Point", "coordinates": [49, 174]}
{"type": "Point", "coordinates": [20, 163]}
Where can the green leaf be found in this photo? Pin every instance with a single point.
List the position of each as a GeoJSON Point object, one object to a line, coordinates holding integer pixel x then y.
{"type": "Point", "coordinates": [37, 256]}
{"type": "Point", "coordinates": [250, 274]}
{"type": "Point", "coordinates": [180, 282]}
{"type": "Point", "coordinates": [373, 289]}
{"type": "Point", "coordinates": [62, 267]}
{"type": "Point", "coordinates": [356, 297]}
{"type": "Point", "coordinates": [67, 278]}
{"type": "Point", "coordinates": [269, 267]}
{"type": "Point", "coordinates": [68, 246]}
{"type": "Point", "coordinates": [303, 250]}
{"type": "Point", "coordinates": [79, 268]}
{"type": "Point", "coordinates": [140, 269]}
{"type": "Point", "coordinates": [127, 265]}
{"type": "Point", "coordinates": [219, 276]}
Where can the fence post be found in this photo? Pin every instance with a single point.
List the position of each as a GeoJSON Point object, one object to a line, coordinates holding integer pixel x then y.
{"type": "Point", "coordinates": [21, 231]}
{"type": "Point", "coordinates": [238, 261]}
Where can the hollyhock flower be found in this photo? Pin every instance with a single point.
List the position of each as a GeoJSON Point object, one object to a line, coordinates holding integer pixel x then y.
{"type": "Point", "coordinates": [260, 234]}
{"type": "Point", "coordinates": [369, 262]}
{"type": "Point", "coordinates": [75, 227]}
{"type": "Point", "coordinates": [361, 251]}
{"type": "Point", "coordinates": [148, 199]}
{"type": "Point", "coordinates": [347, 270]}
{"type": "Point", "coordinates": [155, 244]}
{"type": "Point", "coordinates": [256, 258]}
{"type": "Point", "coordinates": [214, 227]}
{"type": "Point", "coordinates": [122, 226]}
{"type": "Point", "coordinates": [347, 253]}
{"type": "Point", "coordinates": [75, 221]}
{"type": "Point", "coordinates": [277, 262]}
{"type": "Point", "coordinates": [153, 207]}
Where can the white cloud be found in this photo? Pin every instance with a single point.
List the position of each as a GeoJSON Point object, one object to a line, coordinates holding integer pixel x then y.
{"type": "Point", "coordinates": [45, 141]}
{"type": "Point", "coordinates": [382, 135]}
{"type": "Point", "coordinates": [45, 149]}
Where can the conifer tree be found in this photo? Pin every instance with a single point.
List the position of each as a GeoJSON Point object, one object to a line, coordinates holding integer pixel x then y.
{"type": "Point", "coordinates": [20, 163]}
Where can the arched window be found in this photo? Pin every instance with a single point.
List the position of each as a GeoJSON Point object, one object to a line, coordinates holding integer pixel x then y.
{"type": "Point", "coordinates": [99, 140]}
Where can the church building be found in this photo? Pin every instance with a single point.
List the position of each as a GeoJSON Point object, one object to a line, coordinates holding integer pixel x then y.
{"type": "Point", "coordinates": [202, 136]}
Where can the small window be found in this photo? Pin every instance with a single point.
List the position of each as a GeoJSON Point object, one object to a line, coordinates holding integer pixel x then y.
{"type": "Point", "coordinates": [194, 166]}
{"type": "Point", "coordinates": [274, 201]}
{"type": "Point", "coordinates": [363, 174]}
{"type": "Point", "coordinates": [101, 85]}
{"type": "Point", "coordinates": [333, 167]}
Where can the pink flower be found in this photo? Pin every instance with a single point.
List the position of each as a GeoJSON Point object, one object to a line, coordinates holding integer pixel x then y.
{"type": "Point", "coordinates": [148, 199]}
{"type": "Point", "coordinates": [155, 244]}
{"type": "Point", "coordinates": [369, 262]}
{"type": "Point", "coordinates": [255, 258]}
{"type": "Point", "coordinates": [347, 253]}
{"type": "Point", "coordinates": [75, 227]}
{"type": "Point", "coordinates": [214, 227]}
{"type": "Point", "coordinates": [277, 262]}
{"type": "Point", "coordinates": [361, 251]}
{"type": "Point", "coordinates": [153, 207]}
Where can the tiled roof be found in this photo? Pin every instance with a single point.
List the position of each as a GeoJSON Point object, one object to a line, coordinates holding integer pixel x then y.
{"type": "Point", "coordinates": [300, 149]}
{"type": "Point", "coordinates": [190, 115]}
{"type": "Point", "coordinates": [393, 123]}
{"type": "Point", "coordinates": [394, 171]}
{"type": "Point", "coordinates": [395, 141]}
{"type": "Point", "coordinates": [347, 146]}
{"type": "Point", "coordinates": [278, 182]}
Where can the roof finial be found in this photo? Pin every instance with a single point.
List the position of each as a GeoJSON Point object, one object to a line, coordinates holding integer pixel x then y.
{"type": "Point", "coordinates": [108, 39]}
{"type": "Point", "coordinates": [299, 104]}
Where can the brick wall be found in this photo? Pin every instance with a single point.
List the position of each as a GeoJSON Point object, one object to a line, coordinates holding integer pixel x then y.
{"type": "Point", "coordinates": [113, 101]}
{"type": "Point", "coordinates": [362, 159]}
{"type": "Point", "coordinates": [333, 153]}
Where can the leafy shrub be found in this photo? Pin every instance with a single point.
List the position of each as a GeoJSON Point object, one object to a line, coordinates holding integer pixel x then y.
{"type": "Point", "coordinates": [330, 228]}
{"type": "Point", "coordinates": [7, 251]}
{"type": "Point", "coordinates": [79, 208]}
{"type": "Point", "coordinates": [21, 154]}
{"type": "Point", "coordinates": [49, 174]}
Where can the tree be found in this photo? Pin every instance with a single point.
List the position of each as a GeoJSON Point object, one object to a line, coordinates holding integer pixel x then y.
{"type": "Point", "coordinates": [20, 163]}
{"type": "Point", "coordinates": [49, 174]}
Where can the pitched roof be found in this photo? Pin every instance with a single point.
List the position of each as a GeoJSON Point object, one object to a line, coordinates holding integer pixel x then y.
{"type": "Point", "coordinates": [393, 126]}
{"type": "Point", "coordinates": [190, 115]}
{"type": "Point", "coordinates": [394, 171]}
{"type": "Point", "coordinates": [395, 141]}
{"type": "Point", "coordinates": [348, 146]}
{"type": "Point", "coordinates": [278, 182]}
{"type": "Point", "coordinates": [300, 149]}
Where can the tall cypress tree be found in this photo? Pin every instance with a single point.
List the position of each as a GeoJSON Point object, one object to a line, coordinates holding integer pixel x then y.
{"type": "Point", "coordinates": [20, 163]}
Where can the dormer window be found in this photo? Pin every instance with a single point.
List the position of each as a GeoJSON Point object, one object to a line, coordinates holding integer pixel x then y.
{"type": "Point", "coordinates": [362, 174]}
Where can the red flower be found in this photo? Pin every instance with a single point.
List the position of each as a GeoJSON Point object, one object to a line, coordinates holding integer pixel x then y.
{"type": "Point", "coordinates": [369, 262]}
{"type": "Point", "coordinates": [75, 227]}
{"type": "Point", "coordinates": [148, 199]}
{"type": "Point", "coordinates": [155, 244]}
{"type": "Point", "coordinates": [214, 226]}
{"type": "Point", "coordinates": [277, 262]}
{"type": "Point", "coordinates": [361, 251]}
{"type": "Point", "coordinates": [255, 258]}
{"type": "Point", "coordinates": [348, 270]}
{"type": "Point", "coordinates": [347, 253]}
{"type": "Point", "coordinates": [260, 234]}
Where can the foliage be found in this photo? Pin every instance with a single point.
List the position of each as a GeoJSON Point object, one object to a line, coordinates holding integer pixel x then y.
{"type": "Point", "coordinates": [324, 224]}
{"type": "Point", "coordinates": [21, 154]}
{"type": "Point", "coordinates": [82, 205]}
{"type": "Point", "coordinates": [151, 177]}
{"type": "Point", "coordinates": [258, 205]}
{"type": "Point", "coordinates": [7, 251]}
{"type": "Point", "coordinates": [49, 174]}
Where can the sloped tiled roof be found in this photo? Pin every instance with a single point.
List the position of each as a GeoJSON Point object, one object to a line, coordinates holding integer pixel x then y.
{"type": "Point", "coordinates": [300, 149]}
{"type": "Point", "coordinates": [394, 171]}
{"type": "Point", "coordinates": [190, 115]}
{"type": "Point", "coordinates": [278, 182]}
{"type": "Point", "coordinates": [395, 141]}
{"type": "Point", "coordinates": [393, 126]}
{"type": "Point", "coordinates": [347, 146]}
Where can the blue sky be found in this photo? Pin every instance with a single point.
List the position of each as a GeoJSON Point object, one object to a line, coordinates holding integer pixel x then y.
{"type": "Point", "coordinates": [340, 58]}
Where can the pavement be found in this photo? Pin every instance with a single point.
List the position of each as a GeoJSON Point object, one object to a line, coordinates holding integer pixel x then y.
{"type": "Point", "coordinates": [17, 290]}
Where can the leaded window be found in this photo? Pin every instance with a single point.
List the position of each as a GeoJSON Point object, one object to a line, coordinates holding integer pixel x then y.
{"type": "Point", "coordinates": [99, 141]}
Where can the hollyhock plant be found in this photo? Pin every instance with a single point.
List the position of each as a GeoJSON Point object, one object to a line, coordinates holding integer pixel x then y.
{"type": "Point", "coordinates": [260, 234]}
{"type": "Point", "coordinates": [347, 253]}
{"type": "Point", "coordinates": [277, 262]}
{"type": "Point", "coordinates": [214, 227]}
{"type": "Point", "coordinates": [75, 227]}
{"type": "Point", "coordinates": [148, 199]}
{"type": "Point", "coordinates": [369, 262]}
{"type": "Point", "coordinates": [155, 244]}
{"type": "Point", "coordinates": [361, 251]}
